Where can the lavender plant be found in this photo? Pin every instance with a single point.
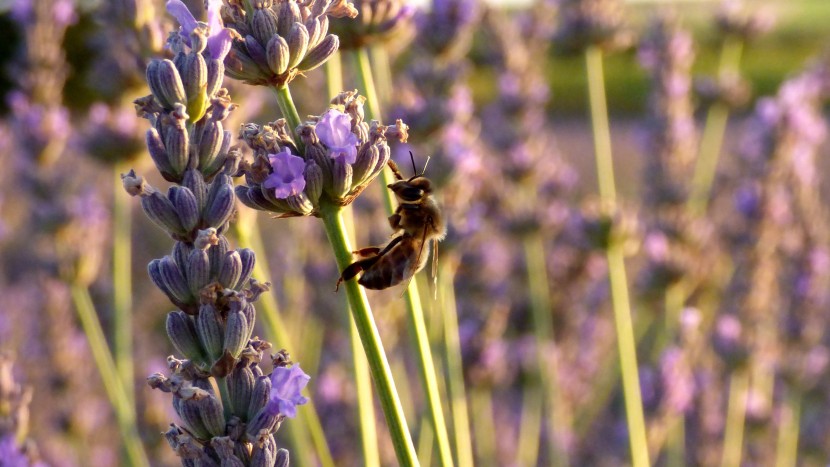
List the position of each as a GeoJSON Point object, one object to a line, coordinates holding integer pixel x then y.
{"type": "Point", "coordinates": [229, 407]}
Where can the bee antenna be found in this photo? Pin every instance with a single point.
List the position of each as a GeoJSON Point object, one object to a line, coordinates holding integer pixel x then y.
{"type": "Point", "coordinates": [425, 166]}
{"type": "Point", "coordinates": [412, 158]}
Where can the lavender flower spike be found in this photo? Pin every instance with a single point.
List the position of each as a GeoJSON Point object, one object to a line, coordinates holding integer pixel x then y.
{"type": "Point", "coordinates": [335, 131]}
{"type": "Point", "coordinates": [286, 384]}
{"type": "Point", "coordinates": [287, 178]}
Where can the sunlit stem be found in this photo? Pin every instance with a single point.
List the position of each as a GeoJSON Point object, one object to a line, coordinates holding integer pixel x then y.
{"type": "Point", "coordinates": [289, 111]}
{"type": "Point", "coordinates": [484, 424]}
{"type": "Point", "coordinates": [412, 297]}
{"type": "Point", "coordinates": [334, 74]}
{"type": "Point", "coordinates": [124, 412]}
{"type": "Point", "coordinates": [616, 263]}
{"type": "Point", "coordinates": [733, 437]}
{"type": "Point", "coordinates": [369, 336]}
{"type": "Point", "coordinates": [786, 453]}
{"type": "Point", "coordinates": [122, 286]}
{"type": "Point", "coordinates": [530, 427]}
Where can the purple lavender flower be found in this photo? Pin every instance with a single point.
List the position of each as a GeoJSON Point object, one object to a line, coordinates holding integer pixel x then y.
{"type": "Point", "coordinates": [335, 131]}
{"type": "Point", "coordinates": [219, 38]}
{"type": "Point", "coordinates": [11, 454]}
{"type": "Point", "coordinates": [287, 178]}
{"type": "Point", "coordinates": [286, 384]}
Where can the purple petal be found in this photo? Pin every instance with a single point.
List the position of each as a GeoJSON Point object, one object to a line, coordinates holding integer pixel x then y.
{"type": "Point", "coordinates": [183, 15]}
{"type": "Point", "coordinates": [219, 44]}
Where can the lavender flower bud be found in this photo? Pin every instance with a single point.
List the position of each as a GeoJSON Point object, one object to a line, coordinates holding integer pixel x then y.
{"type": "Point", "coordinates": [289, 13]}
{"type": "Point", "coordinates": [209, 330]}
{"type": "Point", "coordinates": [190, 413]}
{"type": "Point", "coordinates": [194, 77]}
{"type": "Point", "coordinates": [162, 212]}
{"type": "Point", "coordinates": [282, 458]}
{"type": "Point", "coordinates": [314, 182]}
{"type": "Point", "coordinates": [165, 83]}
{"type": "Point", "coordinates": [341, 181]}
{"type": "Point", "coordinates": [259, 396]}
{"type": "Point", "coordinates": [236, 333]}
{"type": "Point", "coordinates": [211, 142]}
{"type": "Point", "coordinates": [257, 52]}
{"type": "Point", "coordinates": [155, 146]}
{"type": "Point", "coordinates": [297, 43]}
{"type": "Point", "coordinates": [195, 182]}
{"type": "Point", "coordinates": [187, 207]}
{"type": "Point", "coordinates": [367, 160]}
{"type": "Point", "coordinates": [212, 415]}
{"type": "Point", "coordinates": [248, 260]}
{"type": "Point", "coordinates": [230, 270]}
{"type": "Point", "coordinates": [264, 25]}
{"type": "Point", "coordinates": [182, 333]}
{"type": "Point", "coordinates": [264, 421]}
{"type": "Point", "coordinates": [198, 270]}
{"type": "Point", "coordinates": [224, 447]}
{"type": "Point", "coordinates": [320, 53]}
{"type": "Point", "coordinates": [240, 387]}
{"type": "Point", "coordinates": [220, 202]}
{"type": "Point", "coordinates": [167, 276]}
{"type": "Point", "coordinates": [277, 55]}
{"type": "Point", "coordinates": [176, 139]}
{"type": "Point", "coordinates": [264, 453]}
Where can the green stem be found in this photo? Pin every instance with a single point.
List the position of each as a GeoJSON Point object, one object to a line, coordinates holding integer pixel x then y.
{"type": "Point", "coordinates": [455, 370]}
{"type": "Point", "coordinates": [412, 296]}
{"type": "Point", "coordinates": [380, 59]}
{"type": "Point", "coordinates": [334, 74]}
{"type": "Point", "coordinates": [113, 386]}
{"type": "Point", "coordinates": [122, 286]}
{"type": "Point", "coordinates": [712, 138]}
{"type": "Point", "coordinates": [484, 425]}
{"type": "Point", "coordinates": [289, 111]}
{"type": "Point", "coordinates": [527, 451]}
{"type": "Point", "coordinates": [248, 235]}
{"type": "Point", "coordinates": [733, 437]}
{"type": "Point", "coordinates": [225, 394]}
{"type": "Point", "coordinates": [426, 439]}
{"type": "Point", "coordinates": [786, 453]}
{"type": "Point", "coordinates": [541, 309]}
{"type": "Point", "coordinates": [616, 263]}
{"type": "Point", "coordinates": [369, 336]}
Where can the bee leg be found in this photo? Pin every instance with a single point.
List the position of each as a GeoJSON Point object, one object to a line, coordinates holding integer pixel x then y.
{"type": "Point", "coordinates": [368, 251]}
{"type": "Point", "coordinates": [355, 269]}
{"type": "Point", "coordinates": [392, 165]}
{"type": "Point", "coordinates": [395, 221]}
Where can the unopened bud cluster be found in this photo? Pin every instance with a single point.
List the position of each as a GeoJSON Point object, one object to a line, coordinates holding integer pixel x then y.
{"type": "Point", "coordinates": [281, 39]}
{"type": "Point", "coordinates": [378, 21]}
{"type": "Point", "coordinates": [586, 23]}
{"type": "Point", "coordinates": [341, 154]}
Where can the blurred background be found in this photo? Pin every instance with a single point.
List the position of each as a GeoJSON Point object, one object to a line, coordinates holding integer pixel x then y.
{"type": "Point", "coordinates": [717, 123]}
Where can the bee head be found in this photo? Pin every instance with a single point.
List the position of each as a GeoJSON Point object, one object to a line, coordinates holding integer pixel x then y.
{"type": "Point", "coordinates": [412, 190]}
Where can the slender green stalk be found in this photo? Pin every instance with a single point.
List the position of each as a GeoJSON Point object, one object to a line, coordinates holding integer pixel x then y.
{"type": "Point", "coordinates": [786, 453]}
{"type": "Point", "coordinates": [541, 309]}
{"type": "Point", "coordinates": [616, 263]}
{"type": "Point", "coordinates": [426, 440]}
{"type": "Point", "coordinates": [530, 429]}
{"type": "Point", "coordinates": [484, 425]}
{"type": "Point", "coordinates": [334, 74]}
{"type": "Point", "coordinates": [289, 110]}
{"type": "Point", "coordinates": [676, 450]}
{"type": "Point", "coordinates": [225, 394]}
{"type": "Point", "coordinates": [412, 296]}
{"type": "Point", "coordinates": [383, 68]}
{"type": "Point", "coordinates": [113, 385]}
{"type": "Point", "coordinates": [455, 369]}
{"type": "Point", "coordinates": [733, 437]}
{"type": "Point", "coordinates": [712, 138]}
{"type": "Point", "coordinates": [122, 297]}
{"type": "Point", "coordinates": [248, 235]}
{"type": "Point", "coordinates": [369, 336]}
{"type": "Point", "coordinates": [363, 380]}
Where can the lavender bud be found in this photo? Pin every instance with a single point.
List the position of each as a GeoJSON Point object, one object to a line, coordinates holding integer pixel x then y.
{"type": "Point", "coordinates": [230, 270]}
{"type": "Point", "coordinates": [313, 182]}
{"type": "Point", "coordinates": [289, 14]}
{"type": "Point", "coordinates": [367, 160]}
{"type": "Point", "coordinates": [257, 52]}
{"type": "Point", "coordinates": [282, 458]}
{"type": "Point", "coordinates": [209, 330]}
{"type": "Point", "coordinates": [315, 31]}
{"type": "Point", "coordinates": [215, 73]}
{"type": "Point", "coordinates": [156, 148]}
{"type": "Point", "coordinates": [319, 54]}
{"type": "Point", "coordinates": [181, 251]}
{"type": "Point", "coordinates": [198, 271]}
{"type": "Point", "coordinates": [187, 207]}
{"type": "Point", "coordinates": [162, 212]}
{"type": "Point", "coordinates": [189, 412]}
{"type": "Point", "coordinates": [264, 25]}
{"type": "Point", "coordinates": [211, 143]}
{"type": "Point", "coordinates": [224, 447]}
{"type": "Point", "coordinates": [236, 333]}
{"type": "Point", "coordinates": [194, 78]}
{"type": "Point", "coordinates": [195, 182]}
{"type": "Point", "coordinates": [176, 141]}
{"type": "Point", "coordinates": [166, 273]}
{"type": "Point", "coordinates": [264, 453]}
{"type": "Point", "coordinates": [277, 55]}
{"type": "Point", "coordinates": [250, 315]}
{"type": "Point", "coordinates": [317, 153]}
{"type": "Point", "coordinates": [341, 181]}
{"type": "Point", "coordinates": [217, 254]}
{"type": "Point", "coordinates": [259, 396]}
{"type": "Point", "coordinates": [300, 203]}
{"type": "Point", "coordinates": [212, 414]}
{"type": "Point", "coordinates": [220, 202]}
{"type": "Point", "coordinates": [165, 83]}
{"type": "Point", "coordinates": [240, 387]}
{"type": "Point", "coordinates": [253, 198]}
{"type": "Point", "coordinates": [182, 333]}
{"type": "Point", "coordinates": [297, 43]}
{"type": "Point", "coordinates": [248, 260]}
{"type": "Point", "coordinates": [264, 420]}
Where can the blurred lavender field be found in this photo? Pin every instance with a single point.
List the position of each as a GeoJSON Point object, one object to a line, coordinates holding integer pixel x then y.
{"type": "Point", "coordinates": [636, 269]}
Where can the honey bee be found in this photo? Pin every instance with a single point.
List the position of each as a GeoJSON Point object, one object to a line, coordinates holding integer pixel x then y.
{"type": "Point", "coordinates": [416, 222]}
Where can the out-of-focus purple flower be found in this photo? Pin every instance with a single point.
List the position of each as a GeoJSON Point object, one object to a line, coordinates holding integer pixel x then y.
{"type": "Point", "coordinates": [286, 384]}
{"type": "Point", "coordinates": [287, 177]}
{"type": "Point", "coordinates": [219, 38]}
{"type": "Point", "coordinates": [11, 454]}
{"type": "Point", "coordinates": [335, 131]}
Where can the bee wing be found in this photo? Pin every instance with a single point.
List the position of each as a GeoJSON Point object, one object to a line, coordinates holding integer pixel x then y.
{"type": "Point", "coordinates": [412, 267]}
{"type": "Point", "coordinates": [435, 269]}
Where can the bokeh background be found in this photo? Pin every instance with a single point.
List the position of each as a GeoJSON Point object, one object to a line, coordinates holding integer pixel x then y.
{"type": "Point", "coordinates": [728, 278]}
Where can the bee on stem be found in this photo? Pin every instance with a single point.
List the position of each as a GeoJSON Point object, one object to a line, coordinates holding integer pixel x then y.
{"type": "Point", "coordinates": [416, 222]}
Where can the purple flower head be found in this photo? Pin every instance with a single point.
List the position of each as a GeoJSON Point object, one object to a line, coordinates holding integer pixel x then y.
{"type": "Point", "coordinates": [286, 384]}
{"type": "Point", "coordinates": [219, 38]}
{"type": "Point", "coordinates": [335, 131]}
{"type": "Point", "coordinates": [287, 177]}
{"type": "Point", "coordinates": [11, 454]}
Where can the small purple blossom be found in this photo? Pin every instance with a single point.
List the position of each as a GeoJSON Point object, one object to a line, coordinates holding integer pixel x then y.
{"type": "Point", "coordinates": [11, 454]}
{"type": "Point", "coordinates": [335, 131]}
{"type": "Point", "coordinates": [287, 177]}
{"type": "Point", "coordinates": [219, 38]}
{"type": "Point", "coordinates": [286, 384]}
